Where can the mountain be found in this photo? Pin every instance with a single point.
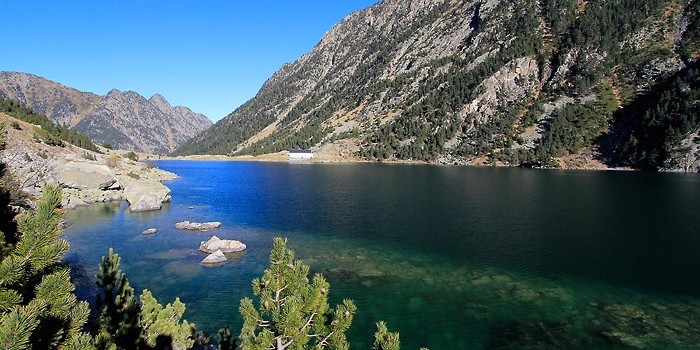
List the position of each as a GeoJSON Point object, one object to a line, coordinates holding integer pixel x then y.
{"type": "Point", "coordinates": [568, 83]}
{"type": "Point", "coordinates": [126, 120]}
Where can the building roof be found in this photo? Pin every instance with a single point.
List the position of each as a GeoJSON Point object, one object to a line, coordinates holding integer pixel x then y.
{"type": "Point", "coordinates": [300, 151]}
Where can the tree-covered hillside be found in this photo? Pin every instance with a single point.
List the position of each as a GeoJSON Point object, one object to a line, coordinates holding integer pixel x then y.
{"type": "Point", "coordinates": [48, 131]}
{"type": "Point", "coordinates": [514, 82]}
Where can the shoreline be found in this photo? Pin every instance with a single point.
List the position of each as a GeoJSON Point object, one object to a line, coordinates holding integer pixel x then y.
{"type": "Point", "coordinates": [282, 157]}
{"type": "Point", "coordinates": [85, 177]}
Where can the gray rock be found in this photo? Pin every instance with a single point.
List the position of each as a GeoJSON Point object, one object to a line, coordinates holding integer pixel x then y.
{"type": "Point", "coordinates": [214, 258]}
{"type": "Point", "coordinates": [74, 202]}
{"type": "Point", "coordinates": [197, 226]}
{"type": "Point", "coordinates": [145, 202]}
{"type": "Point", "coordinates": [150, 231]}
{"type": "Point", "coordinates": [87, 176]}
{"type": "Point", "coordinates": [146, 195]}
{"type": "Point", "coordinates": [224, 245]}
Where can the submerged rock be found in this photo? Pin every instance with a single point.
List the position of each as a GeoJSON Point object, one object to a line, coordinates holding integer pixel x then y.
{"type": "Point", "coordinates": [483, 280]}
{"type": "Point", "coordinates": [223, 245]}
{"type": "Point", "coordinates": [626, 312]}
{"type": "Point", "coordinates": [624, 339]}
{"type": "Point", "coordinates": [197, 226]}
{"type": "Point", "coordinates": [214, 258]}
{"type": "Point", "coordinates": [341, 274]}
{"type": "Point", "coordinates": [150, 231]}
{"type": "Point", "coordinates": [532, 335]}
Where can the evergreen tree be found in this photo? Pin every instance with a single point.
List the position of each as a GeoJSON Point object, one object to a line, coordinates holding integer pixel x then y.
{"type": "Point", "coordinates": [38, 309]}
{"type": "Point", "coordinates": [385, 340]}
{"type": "Point", "coordinates": [125, 323]}
{"type": "Point", "coordinates": [226, 341]}
{"type": "Point", "coordinates": [163, 324]}
{"type": "Point", "coordinates": [292, 312]}
{"type": "Point", "coordinates": [118, 325]}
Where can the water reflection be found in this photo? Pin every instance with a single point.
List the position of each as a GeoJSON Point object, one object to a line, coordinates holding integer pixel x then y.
{"type": "Point", "coordinates": [578, 259]}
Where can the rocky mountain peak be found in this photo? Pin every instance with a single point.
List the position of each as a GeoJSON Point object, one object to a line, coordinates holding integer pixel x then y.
{"type": "Point", "coordinates": [158, 99]}
{"type": "Point", "coordinates": [125, 119]}
{"type": "Point", "coordinates": [114, 92]}
{"type": "Point", "coordinates": [160, 102]}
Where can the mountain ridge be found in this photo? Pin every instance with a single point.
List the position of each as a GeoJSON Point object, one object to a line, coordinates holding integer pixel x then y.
{"type": "Point", "coordinates": [502, 82]}
{"type": "Point", "coordinates": [124, 119]}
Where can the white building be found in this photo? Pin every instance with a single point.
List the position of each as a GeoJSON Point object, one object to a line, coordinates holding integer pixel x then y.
{"type": "Point", "coordinates": [300, 154]}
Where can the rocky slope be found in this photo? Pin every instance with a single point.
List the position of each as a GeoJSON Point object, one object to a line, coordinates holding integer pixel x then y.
{"type": "Point", "coordinates": [85, 176]}
{"type": "Point", "coordinates": [548, 82]}
{"type": "Point", "coordinates": [124, 119]}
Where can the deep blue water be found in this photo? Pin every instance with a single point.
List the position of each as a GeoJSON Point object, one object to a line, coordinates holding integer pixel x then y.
{"type": "Point", "coordinates": [452, 257]}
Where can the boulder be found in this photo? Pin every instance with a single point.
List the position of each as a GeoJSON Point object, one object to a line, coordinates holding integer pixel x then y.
{"type": "Point", "coordinates": [146, 195]}
{"type": "Point", "coordinates": [150, 231]}
{"type": "Point", "coordinates": [197, 226]}
{"type": "Point", "coordinates": [214, 258]}
{"type": "Point", "coordinates": [72, 202]}
{"type": "Point", "coordinates": [223, 245]}
{"type": "Point", "coordinates": [87, 176]}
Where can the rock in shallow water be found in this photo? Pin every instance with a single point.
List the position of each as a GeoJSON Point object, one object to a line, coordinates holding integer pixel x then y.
{"type": "Point", "coordinates": [146, 195]}
{"type": "Point", "coordinates": [223, 245]}
{"type": "Point", "coordinates": [625, 339]}
{"type": "Point", "coordinates": [197, 226]}
{"type": "Point", "coordinates": [214, 258]}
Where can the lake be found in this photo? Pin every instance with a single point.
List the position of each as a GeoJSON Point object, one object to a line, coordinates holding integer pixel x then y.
{"type": "Point", "coordinates": [451, 257]}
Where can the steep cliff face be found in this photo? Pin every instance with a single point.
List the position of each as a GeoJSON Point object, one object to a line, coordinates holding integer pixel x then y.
{"type": "Point", "coordinates": [549, 82]}
{"type": "Point", "coordinates": [125, 119]}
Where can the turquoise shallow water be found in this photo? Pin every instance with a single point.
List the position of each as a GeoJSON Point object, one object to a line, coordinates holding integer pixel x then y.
{"type": "Point", "coordinates": [452, 257]}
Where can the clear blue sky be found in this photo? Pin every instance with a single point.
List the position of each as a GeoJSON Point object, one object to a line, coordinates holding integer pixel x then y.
{"type": "Point", "coordinates": [209, 55]}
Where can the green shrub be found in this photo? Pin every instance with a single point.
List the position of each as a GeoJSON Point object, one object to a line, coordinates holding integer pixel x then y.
{"type": "Point", "coordinates": [132, 155]}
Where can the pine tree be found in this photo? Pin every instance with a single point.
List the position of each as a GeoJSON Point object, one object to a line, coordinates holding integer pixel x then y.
{"type": "Point", "coordinates": [163, 324]}
{"type": "Point", "coordinates": [226, 341]}
{"type": "Point", "coordinates": [385, 340]}
{"type": "Point", "coordinates": [38, 309]}
{"type": "Point", "coordinates": [118, 325]}
{"type": "Point", "coordinates": [126, 323]}
{"type": "Point", "coordinates": [293, 313]}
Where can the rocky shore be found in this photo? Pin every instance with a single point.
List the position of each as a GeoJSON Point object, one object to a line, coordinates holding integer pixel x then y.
{"type": "Point", "coordinates": [86, 177]}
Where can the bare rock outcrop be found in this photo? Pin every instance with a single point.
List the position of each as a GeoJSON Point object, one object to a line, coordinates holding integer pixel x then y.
{"type": "Point", "coordinates": [87, 176]}
{"type": "Point", "coordinates": [197, 226]}
{"type": "Point", "coordinates": [224, 245]}
{"type": "Point", "coordinates": [150, 231]}
{"type": "Point", "coordinates": [146, 195]}
{"type": "Point", "coordinates": [216, 257]}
